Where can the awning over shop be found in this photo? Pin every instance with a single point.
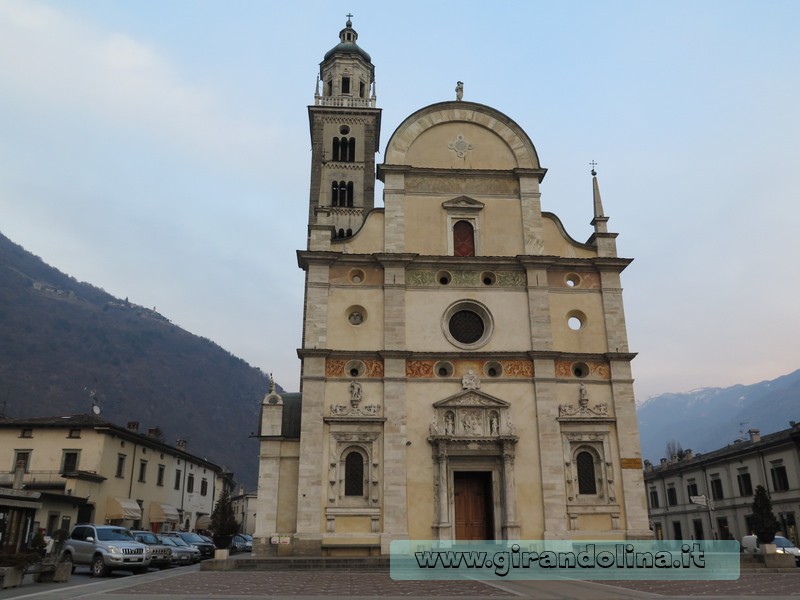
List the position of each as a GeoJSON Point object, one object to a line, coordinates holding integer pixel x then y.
{"type": "Point", "coordinates": [163, 513]}
{"type": "Point", "coordinates": [20, 503]}
{"type": "Point", "coordinates": [123, 508]}
{"type": "Point", "coordinates": [203, 522]}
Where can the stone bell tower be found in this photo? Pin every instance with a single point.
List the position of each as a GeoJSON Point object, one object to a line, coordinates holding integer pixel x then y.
{"type": "Point", "coordinates": [345, 132]}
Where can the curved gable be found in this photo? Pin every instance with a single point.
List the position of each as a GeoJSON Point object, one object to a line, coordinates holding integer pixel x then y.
{"type": "Point", "coordinates": [461, 135]}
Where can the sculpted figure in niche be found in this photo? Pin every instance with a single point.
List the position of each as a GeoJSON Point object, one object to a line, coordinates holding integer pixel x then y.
{"type": "Point", "coordinates": [449, 424]}
{"type": "Point", "coordinates": [433, 428]}
{"type": "Point", "coordinates": [459, 90]}
{"type": "Point", "coordinates": [356, 318]}
{"type": "Point", "coordinates": [584, 396]}
{"type": "Point", "coordinates": [470, 381]}
{"type": "Point", "coordinates": [494, 425]}
{"type": "Point", "coordinates": [355, 393]}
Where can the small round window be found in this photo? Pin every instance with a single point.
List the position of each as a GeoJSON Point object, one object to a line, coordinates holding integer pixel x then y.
{"type": "Point", "coordinates": [467, 324]}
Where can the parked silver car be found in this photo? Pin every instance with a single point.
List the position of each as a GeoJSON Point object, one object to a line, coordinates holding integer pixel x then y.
{"type": "Point", "coordinates": [182, 553]}
{"type": "Point", "coordinates": [105, 548]}
{"type": "Point", "coordinates": [161, 554]}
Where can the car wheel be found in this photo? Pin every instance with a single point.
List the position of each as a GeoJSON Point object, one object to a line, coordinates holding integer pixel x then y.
{"type": "Point", "coordinates": [99, 568]}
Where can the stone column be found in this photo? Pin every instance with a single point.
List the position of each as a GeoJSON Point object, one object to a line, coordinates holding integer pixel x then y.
{"type": "Point", "coordinates": [510, 525]}
{"type": "Point", "coordinates": [441, 497]}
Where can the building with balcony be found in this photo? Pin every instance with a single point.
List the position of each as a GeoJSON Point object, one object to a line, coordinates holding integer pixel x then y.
{"type": "Point", "coordinates": [85, 469]}
{"type": "Point", "coordinates": [710, 496]}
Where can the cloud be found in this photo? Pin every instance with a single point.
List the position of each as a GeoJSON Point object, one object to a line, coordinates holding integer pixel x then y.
{"type": "Point", "coordinates": [57, 63]}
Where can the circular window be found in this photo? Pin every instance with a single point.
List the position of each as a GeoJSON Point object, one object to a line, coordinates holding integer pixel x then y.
{"type": "Point", "coordinates": [356, 276]}
{"type": "Point", "coordinates": [488, 278]}
{"type": "Point", "coordinates": [467, 324]}
{"type": "Point", "coordinates": [443, 369]}
{"type": "Point", "coordinates": [354, 368]}
{"type": "Point", "coordinates": [493, 369]}
{"type": "Point", "coordinates": [576, 320]}
{"type": "Point", "coordinates": [356, 315]}
{"type": "Point", "coordinates": [580, 369]}
{"type": "Point", "coordinates": [344, 130]}
{"type": "Point", "coordinates": [572, 280]}
{"type": "Point", "coordinates": [443, 277]}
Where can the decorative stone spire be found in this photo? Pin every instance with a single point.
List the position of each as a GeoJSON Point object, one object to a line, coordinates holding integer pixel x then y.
{"type": "Point", "coordinates": [605, 241]}
{"type": "Point", "coordinates": [600, 220]}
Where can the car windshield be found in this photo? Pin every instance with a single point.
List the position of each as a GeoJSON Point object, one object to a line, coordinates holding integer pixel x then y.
{"type": "Point", "coordinates": [167, 541]}
{"type": "Point", "coordinates": [782, 542]}
{"type": "Point", "coordinates": [193, 538]}
{"type": "Point", "coordinates": [177, 541]}
{"type": "Point", "coordinates": [110, 535]}
{"type": "Point", "coordinates": [147, 538]}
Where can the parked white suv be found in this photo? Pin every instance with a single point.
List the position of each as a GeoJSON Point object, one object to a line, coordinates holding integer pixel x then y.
{"type": "Point", "coordinates": [105, 548]}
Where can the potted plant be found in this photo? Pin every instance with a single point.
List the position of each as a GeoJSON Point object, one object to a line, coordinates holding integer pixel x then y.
{"type": "Point", "coordinates": [12, 567]}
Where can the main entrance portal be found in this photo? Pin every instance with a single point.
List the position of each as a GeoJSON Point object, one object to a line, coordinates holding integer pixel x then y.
{"type": "Point", "coordinates": [472, 493]}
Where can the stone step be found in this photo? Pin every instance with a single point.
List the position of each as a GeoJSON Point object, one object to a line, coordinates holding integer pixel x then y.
{"type": "Point", "coordinates": [338, 563]}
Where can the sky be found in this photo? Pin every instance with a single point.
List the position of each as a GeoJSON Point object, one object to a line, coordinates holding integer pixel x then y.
{"type": "Point", "coordinates": [159, 149]}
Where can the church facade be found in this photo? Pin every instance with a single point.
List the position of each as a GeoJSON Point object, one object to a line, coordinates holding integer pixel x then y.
{"type": "Point", "coordinates": [465, 363]}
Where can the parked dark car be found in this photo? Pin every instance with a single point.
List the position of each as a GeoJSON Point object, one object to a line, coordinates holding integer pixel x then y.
{"type": "Point", "coordinates": [182, 553]}
{"type": "Point", "coordinates": [160, 554]}
{"type": "Point", "coordinates": [206, 549]}
{"type": "Point", "coordinates": [238, 544]}
{"type": "Point", "coordinates": [241, 543]}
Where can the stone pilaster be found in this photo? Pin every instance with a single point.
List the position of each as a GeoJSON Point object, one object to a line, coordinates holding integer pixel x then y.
{"type": "Point", "coordinates": [616, 331]}
{"type": "Point", "coordinates": [632, 476]}
{"type": "Point", "coordinates": [310, 494]}
{"type": "Point", "coordinates": [394, 209]}
{"type": "Point", "coordinates": [267, 501]}
{"type": "Point", "coordinates": [395, 501]}
{"type": "Point", "coordinates": [539, 309]}
{"type": "Point", "coordinates": [551, 459]}
{"type": "Point", "coordinates": [530, 201]}
{"type": "Point", "coordinates": [510, 524]}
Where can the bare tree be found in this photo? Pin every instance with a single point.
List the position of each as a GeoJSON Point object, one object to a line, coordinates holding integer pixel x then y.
{"type": "Point", "coordinates": [674, 448]}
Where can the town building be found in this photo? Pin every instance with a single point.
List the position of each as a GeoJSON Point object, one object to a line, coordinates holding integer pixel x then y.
{"type": "Point", "coordinates": [83, 469]}
{"type": "Point", "coordinates": [465, 363]}
{"type": "Point", "coordinates": [244, 507]}
{"type": "Point", "coordinates": [710, 496]}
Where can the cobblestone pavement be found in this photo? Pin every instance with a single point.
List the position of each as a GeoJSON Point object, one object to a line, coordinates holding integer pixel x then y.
{"type": "Point", "coordinates": [312, 583]}
{"type": "Point", "coordinates": [191, 584]}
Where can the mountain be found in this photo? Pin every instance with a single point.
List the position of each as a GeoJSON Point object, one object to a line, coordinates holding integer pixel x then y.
{"type": "Point", "coordinates": [65, 344]}
{"type": "Point", "coordinates": [711, 418]}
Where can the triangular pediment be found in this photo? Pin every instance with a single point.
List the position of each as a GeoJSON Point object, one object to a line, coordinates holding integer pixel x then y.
{"type": "Point", "coordinates": [463, 203]}
{"type": "Point", "coordinates": [469, 398]}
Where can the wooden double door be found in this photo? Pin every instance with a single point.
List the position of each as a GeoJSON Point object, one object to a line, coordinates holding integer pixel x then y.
{"type": "Point", "coordinates": [472, 497]}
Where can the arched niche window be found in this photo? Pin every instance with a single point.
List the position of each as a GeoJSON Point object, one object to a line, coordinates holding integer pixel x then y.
{"type": "Point", "coordinates": [344, 149]}
{"type": "Point", "coordinates": [350, 194]}
{"type": "Point", "coordinates": [341, 232]}
{"type": "Point", "coordinates": [463, 239]}
{"type": "Point", "coordinates": [335, 193]}
{"type": "Point", "coordinates": [354, 474]}
{"type": "Point", "coordinates": [587, 481]}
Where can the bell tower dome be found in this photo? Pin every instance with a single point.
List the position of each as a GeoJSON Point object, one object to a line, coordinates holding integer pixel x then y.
{"type": "Point", "coordinates": [345, 134]}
